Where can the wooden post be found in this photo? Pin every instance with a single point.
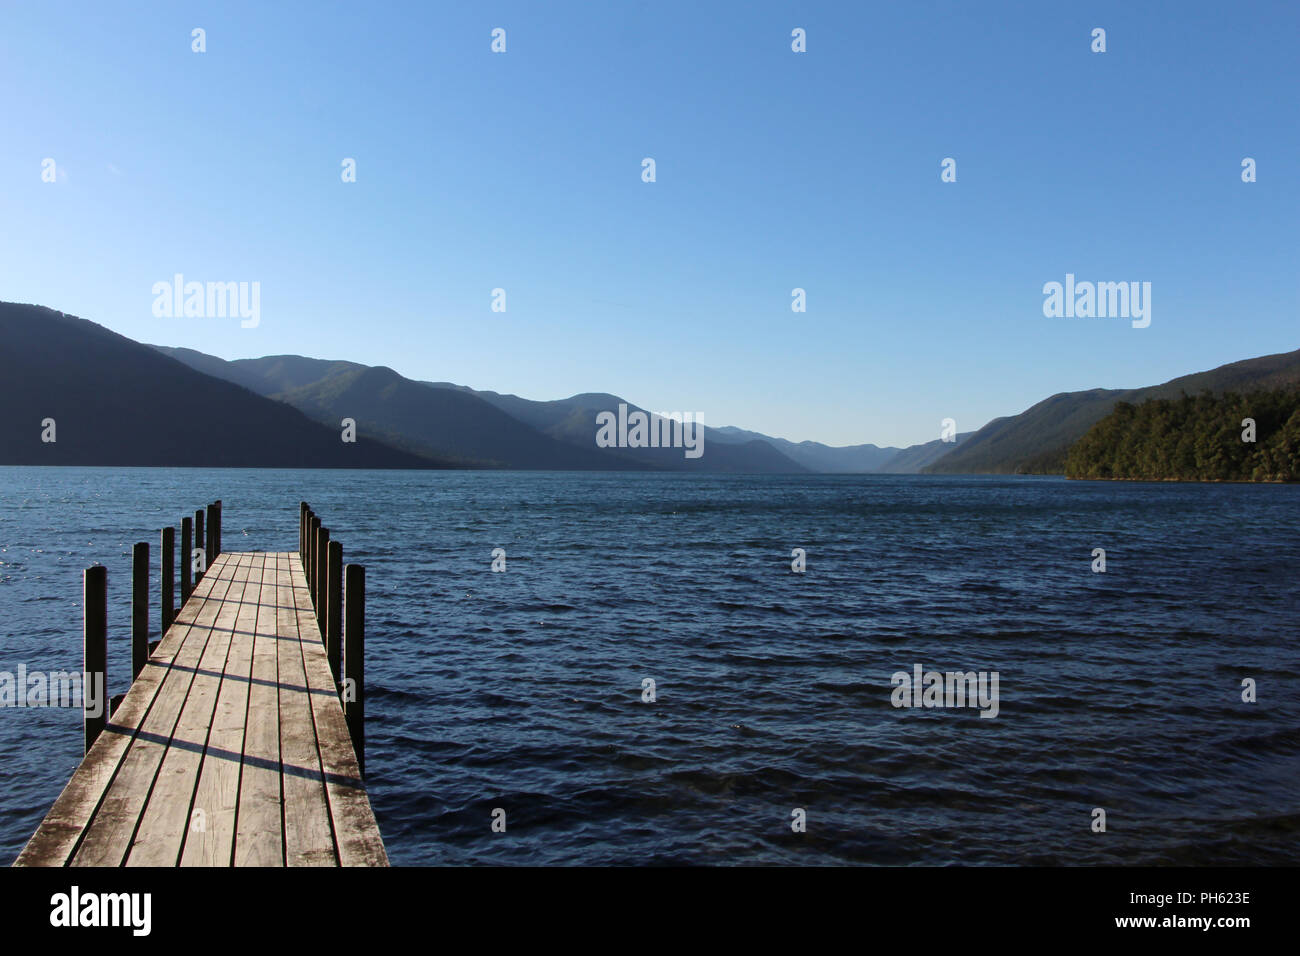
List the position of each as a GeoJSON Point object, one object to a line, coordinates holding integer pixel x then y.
{"type": "Point", "coordinates": [212, 535]}
{"type": "Point", "coordinates": [302, 528]}
{"type": "Point", "coordinates": [311, 558]}
{"type": "Point", "coordinates": [334, 607]}
{"type": "Point", "coordinates": [198, 543]}
{"type": "Point", "coordinates": [322, 562]}
{"type": "Point", "coordinates": [354, 646]}
{"type": "Point", "coordinates": [307, 541]}
{"type": "Point", "coordinates": [187, 532]}
{"type": "Point", "coordinates": [168, 559]}
{"type": "Point", "coordinates": [139, 607]}
{"type": "Point", "coordinates": [216, 532]}
{"type": "Point", "coordinates": [94, 639]}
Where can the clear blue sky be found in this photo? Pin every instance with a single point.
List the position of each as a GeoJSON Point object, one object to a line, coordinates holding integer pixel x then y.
{"type": "Point", "coordinates": [775, 170]}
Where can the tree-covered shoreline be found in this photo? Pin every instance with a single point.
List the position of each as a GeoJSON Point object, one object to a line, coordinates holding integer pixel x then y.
{"type": "Point", "coordinates": [1205, 437]}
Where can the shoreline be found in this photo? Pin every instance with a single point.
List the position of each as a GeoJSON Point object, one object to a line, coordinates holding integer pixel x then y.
{"type": "Point", "coordinates": [1194, 481]}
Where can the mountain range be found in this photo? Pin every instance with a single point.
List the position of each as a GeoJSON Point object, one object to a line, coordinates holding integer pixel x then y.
{"type": "Point", "coordinates": [115, 402]}
{"type": "Point", "coordinates": [475, 429]}
{"type": "Point", "coordinates": [1036, 441]}
{"type": "Point", "coordinates": [75, 393]}
{"type": "Point", "coordinates": [410, 415]}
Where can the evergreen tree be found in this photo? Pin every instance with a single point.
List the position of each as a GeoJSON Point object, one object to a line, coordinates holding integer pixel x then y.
{"type": "Point", "coordinates": [1194, 438]}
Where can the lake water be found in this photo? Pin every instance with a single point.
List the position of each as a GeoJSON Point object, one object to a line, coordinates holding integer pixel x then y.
{"type": "Point", "coordinates": [523, 690]}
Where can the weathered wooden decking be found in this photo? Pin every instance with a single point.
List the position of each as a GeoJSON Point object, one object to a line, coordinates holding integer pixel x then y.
{"type": "Point", "coordinates": [230, 749]}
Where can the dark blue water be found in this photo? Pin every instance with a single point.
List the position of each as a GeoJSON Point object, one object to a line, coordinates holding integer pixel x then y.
{"type": "Point", "coordinates": [522, 690]}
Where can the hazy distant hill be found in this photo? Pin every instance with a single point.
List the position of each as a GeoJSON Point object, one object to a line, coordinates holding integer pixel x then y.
{"type": "Point", "coordinates": [1038, 439]}
{"type": "Point", "coordinates": [913, 460]}
{"type": "Point", "coordinates": [438, 421]}
{"type": "Point", "coordinates": [479, 429]}
{"type": "Point", "coordinates": [573, 420]}
{"type": "Point", "coordinates": [816, 456]}
{"type": "Point", "coordinates": [266, 376]}
{"type": "Point", "coordinates": [117, 402]}
{"type": "Point", "coordinates": [323, 388]}
{"type": "Point", "coordinates": [570, 419]}
{"type": "Point", "coordinates": [459, 426]}
{"type": "Point", "coordinates": [561, 417]}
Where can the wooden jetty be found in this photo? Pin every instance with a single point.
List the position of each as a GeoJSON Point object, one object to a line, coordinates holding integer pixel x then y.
{"type": "Point", "coordinates": [239, 743]}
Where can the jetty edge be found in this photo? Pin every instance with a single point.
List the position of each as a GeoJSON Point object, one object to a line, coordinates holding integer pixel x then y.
{"type": "Point", "coordinates": [241, 739]}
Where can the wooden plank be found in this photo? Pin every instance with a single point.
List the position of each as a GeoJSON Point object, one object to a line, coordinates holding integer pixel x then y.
{"type": "Point", "coordinates": [308, 829]}
{"type": "Point", "coordinates": [167, 815]}
{"type": "Point", "coordinates": [108, 837]}
{"type": "Point", "coordinates": [356, 833]}
{"type": "Point", "coordinates": [217, 790]}
{"type": "Point", "coordinates": [259, 833]}
{"type": "Point", "coordinates": [59, 834]}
